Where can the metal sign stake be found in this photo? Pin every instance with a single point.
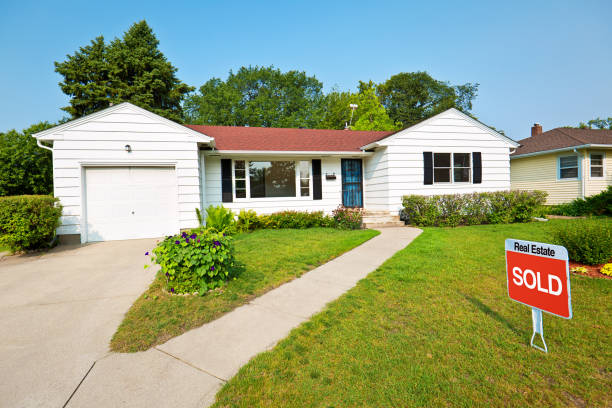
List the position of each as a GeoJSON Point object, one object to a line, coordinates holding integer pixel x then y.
{"type": "Point", "coordinates": [538, 328]}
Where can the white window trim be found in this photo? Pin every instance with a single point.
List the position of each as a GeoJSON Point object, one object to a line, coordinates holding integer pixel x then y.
{"type": "Point", "coordinates": [452, 168]}
{"type": "Point", "coordinates": [603, 165]}
{"type": "Point", "coordinates": [578, 162]}
{"type": "Point", "coordinates": [298, 191]}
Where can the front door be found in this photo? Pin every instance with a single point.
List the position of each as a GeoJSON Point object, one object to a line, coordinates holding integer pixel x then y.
{"type": "Point", "coordinates": [352, 183]}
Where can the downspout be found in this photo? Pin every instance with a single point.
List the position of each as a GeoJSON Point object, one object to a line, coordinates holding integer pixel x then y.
{"type": "Point", "coordinates": [582, 173]}
{"type": "Point", "coordinates": [39, 144]}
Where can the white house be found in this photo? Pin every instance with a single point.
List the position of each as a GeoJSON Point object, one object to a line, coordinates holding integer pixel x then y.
{"type": "Point", "coordinates": [125, 173]}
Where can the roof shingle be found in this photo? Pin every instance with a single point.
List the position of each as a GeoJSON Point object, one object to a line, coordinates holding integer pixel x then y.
{"type": "Point", "coordinates": [288, 139]}
{"type": "Point", "coordinates": [560, 138]}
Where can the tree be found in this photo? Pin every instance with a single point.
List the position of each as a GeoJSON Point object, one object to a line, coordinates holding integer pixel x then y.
{"type": "Point", "coordinates": [25, 168]}
{"type": "Point", "coordinates": [372, 115]}
{"type": "Point", "coordinates": [130, 69]}
{"type": "Point", "coordinates": [597, 124]}
{"type": "Point", "coordinates": [411, 97]}
{"type": "Point", "coordinates": [258, 96]}
{"type": "Point", "coordinates": [337, 110]}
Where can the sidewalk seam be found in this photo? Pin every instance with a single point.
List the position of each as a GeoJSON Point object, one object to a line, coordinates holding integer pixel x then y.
{"type": "Point", "coordinates": [190, 365]}
{"type": "Point", "coordinates": [79, 384]}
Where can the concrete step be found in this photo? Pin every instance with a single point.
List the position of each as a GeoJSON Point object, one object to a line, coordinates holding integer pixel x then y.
{"type": "Point", "coordinates": [379, 220]}
{"type": "Point", "coordinates": [383, 224]}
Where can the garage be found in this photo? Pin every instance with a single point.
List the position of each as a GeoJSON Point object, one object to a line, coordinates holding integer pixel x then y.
{"type": "Point", "coordinates": [130, 202]}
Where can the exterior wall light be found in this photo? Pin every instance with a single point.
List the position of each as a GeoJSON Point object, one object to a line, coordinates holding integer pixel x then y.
{"type": "Point", "coordinates": [128, 148]}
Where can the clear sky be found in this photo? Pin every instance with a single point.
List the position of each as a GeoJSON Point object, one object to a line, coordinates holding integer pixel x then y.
{"type": "Point", "coordinates": [535, 61]}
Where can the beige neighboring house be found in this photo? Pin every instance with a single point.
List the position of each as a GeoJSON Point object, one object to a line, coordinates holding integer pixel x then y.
{"type": "Point", "coordinates": [567, 163]}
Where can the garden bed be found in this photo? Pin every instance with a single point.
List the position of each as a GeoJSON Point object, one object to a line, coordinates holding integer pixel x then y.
{"type": "Point", "coordinates": [592, 270]}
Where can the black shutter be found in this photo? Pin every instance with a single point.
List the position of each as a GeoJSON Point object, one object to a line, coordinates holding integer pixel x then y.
{"type": "Point", "coordinates": [427, 168]}
{"type": "Point", "coordinates": [477, 160]}
{"type": "Point", "coordinates": [316, 180]}
{"type": "Point", "coordinates": [226, 180]}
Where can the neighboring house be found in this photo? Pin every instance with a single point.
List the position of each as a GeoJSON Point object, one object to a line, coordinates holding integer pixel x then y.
{"type": "Point", "coordinates": [567, 163]}
{"type": "Point", "coordinates": [126, 173]}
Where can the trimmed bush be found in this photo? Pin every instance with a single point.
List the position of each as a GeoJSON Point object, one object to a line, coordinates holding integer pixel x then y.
{"type": "Point", "coordinates": [348, 218]}
{"type": "Point", "coordinates": [195, 261]}
{"type": "Point", "coordinates": [219, 218]}
{"type": "Point", "coordinates": [598, 204]}
{"type": "Point", "coordinates": [297, 220]}
{"type": "Point", "coordinates": [587, 241]}
{"type": "Point", "coordinates": [29, 221]}
{"type": "Point", "coordinates": [450, 210]}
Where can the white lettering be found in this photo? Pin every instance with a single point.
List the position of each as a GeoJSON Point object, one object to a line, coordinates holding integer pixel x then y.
{"type": "Point", "coordinates": [540, 288]}
{"type": "Point", "coordinates": [518, 276]}
{"type": "Point", "coordinates": [533, 280]}
{"type": "Point", "coordinates": [550, 286]}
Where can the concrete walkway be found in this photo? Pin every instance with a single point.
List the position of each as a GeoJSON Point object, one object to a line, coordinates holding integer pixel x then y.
{"type": "Point", "coordinates": [188, 370]}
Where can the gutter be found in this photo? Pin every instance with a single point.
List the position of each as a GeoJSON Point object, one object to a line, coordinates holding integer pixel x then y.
{"type": "Point", "coordinates": [39, 144]}
{"type": "Point", "coordinates": [289, 153]}
{"type": "Point", "coordinates": [563, 149]}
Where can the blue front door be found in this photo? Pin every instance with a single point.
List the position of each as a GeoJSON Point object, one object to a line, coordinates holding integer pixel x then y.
{"type": "Point", "coordinates": [352, 184]}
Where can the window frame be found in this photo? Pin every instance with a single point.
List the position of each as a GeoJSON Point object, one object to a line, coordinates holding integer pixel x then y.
{"type": "Point", "coordinates": [452, 168]}
{"type": "Point", "coordinates": [298, 189]}
{"type": "Point", "coordinates": [559, 168]}
{"type": "Point", "coordinates": [602, 165]}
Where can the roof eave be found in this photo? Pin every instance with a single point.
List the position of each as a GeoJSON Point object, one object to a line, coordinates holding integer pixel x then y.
{"type": "Point", "coordinates": [561, 149]}
{"type": "Point", "coordinates": [289, 152]}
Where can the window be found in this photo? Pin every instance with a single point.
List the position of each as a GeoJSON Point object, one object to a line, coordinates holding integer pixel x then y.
{"type": "Point", "coordinates": [304, 178]}
{"type": "Point", "coordinates": [461, 167]}
{"type": "Point", "coordinates": [442, 168]}
{"type": "Point", "coordinates": [597, 162]}
{"type": "Point", "coordinates": [457, 171]}
{"type": "Point", "coordinates": [272, 179]}
{"type": "Point", "coordinates": [240, 178]}
{"type": "Point", "coordinates": [568, 167]}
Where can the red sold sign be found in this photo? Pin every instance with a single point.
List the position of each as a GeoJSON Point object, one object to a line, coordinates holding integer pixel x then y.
{"type": "Point", "coordinates": [538, 276]}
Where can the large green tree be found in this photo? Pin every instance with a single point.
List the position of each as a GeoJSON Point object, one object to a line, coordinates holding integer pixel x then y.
{"type": "Point", "coordinates": [258, 96]}
{"type": "Point", "coordinates": [131, 68]}
{"type": "Point", "coordinates": [597, 124]}
{"type": "Point", "coordinates": [25, 168]}
{"type": "Point", "coordinates": [411, 97]}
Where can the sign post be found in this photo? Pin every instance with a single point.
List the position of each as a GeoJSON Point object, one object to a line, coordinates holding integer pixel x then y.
{"type": "Point", "coordinates": [538, 276]}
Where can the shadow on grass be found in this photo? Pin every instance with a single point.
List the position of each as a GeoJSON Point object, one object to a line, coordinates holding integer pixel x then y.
{"type": "Point", "coordinates": [490, 312]}
{"type": "Point", "coordinates": [238, 269]}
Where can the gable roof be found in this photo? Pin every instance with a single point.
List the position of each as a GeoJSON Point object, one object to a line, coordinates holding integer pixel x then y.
{"type": "Point", "coordinates": [238, 138]}
{"type": "Point", "coordinates": [383, 141]}
{"type": "Point", "coordinates": [50, 134]}
{"type": "Point", "coordinates": [563, 138]}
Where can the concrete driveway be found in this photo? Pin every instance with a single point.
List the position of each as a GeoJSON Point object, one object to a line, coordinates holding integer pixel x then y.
{"type": "Point", "coordinates": [58, 313]}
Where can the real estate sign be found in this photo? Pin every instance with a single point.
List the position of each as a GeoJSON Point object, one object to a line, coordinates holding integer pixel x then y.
{"type": "Point", "coordinates": [538, 276]}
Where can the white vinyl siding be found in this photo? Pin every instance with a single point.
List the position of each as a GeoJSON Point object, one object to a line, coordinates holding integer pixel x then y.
{"type": "Point", "coordinates": [396, 169]}
{"type": "Point", "coordinates": [101, 142]}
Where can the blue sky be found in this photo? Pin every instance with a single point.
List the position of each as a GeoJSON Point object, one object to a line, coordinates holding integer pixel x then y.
{"type": "Point", "coordinates": [535, 61]}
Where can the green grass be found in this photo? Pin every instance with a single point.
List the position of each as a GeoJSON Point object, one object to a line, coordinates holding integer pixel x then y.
{"type": "Point", "coordinates": [270, 258]}
{"type": "Point", "coordinates": [434, 326]}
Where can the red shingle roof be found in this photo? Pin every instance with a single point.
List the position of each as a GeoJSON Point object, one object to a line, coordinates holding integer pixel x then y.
{"type": "Point", "coordinates": [288, 139]}
{"type": "Point", "coordinates": [560, 138]}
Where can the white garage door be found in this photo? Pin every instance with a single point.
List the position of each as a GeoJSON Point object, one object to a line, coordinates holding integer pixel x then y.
{"type": "Point", "coordinates": [130, 202]}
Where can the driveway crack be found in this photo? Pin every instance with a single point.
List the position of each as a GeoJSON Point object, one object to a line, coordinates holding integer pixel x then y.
{"type": "Point", "coordinates": [79, 384]}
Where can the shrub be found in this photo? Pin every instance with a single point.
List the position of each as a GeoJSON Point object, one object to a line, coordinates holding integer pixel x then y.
{"type": "Point", "coordinates": [607, 269]}
{"type": "Point", "coordinates": [599, 204]}
{"type": "Point", "coordinates": [348, 218]}
{"type": "Point", "coordinates": [471, 209]}
{"type": "Point", "coordinates": [28, 221]}
{"type": "Point", "coordinates": [587, 241]}
{"type": "Point", "coordinates": [247, 221]}
{"type": "Point", "coordinates": [198, 260]}
{"type": "Point", "coordinates": [219, 218]}
{"type": "Point", "coordinates": [298, 219]}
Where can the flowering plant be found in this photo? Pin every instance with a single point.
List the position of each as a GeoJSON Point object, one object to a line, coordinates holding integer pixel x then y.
{"type": "Point", "coordinates": [348, 218]}
{"type": "Point", "coordinates": [197, 260]}
{"type": "Point", "coordinates": [606, 269]}
{"type": "Point", "coordinates": [579, 269]}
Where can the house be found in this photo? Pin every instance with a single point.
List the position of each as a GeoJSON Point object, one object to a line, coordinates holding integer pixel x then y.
{"type": "Point", "coordinates": [567, 163]}
{"type": "Point", "coordinates": [126, 173]}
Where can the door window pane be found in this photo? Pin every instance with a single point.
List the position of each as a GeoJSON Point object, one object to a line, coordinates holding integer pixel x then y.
{"type": "Point", "coordinates": [240, 178]}
{"type": "Point", "coordinates": [272, 178]}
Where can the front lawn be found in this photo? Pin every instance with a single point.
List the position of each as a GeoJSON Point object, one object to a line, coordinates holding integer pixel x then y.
{"type": "Point", "coordinates": [434, 326]}
{"type": "Point", "coordinates": [269, 258]}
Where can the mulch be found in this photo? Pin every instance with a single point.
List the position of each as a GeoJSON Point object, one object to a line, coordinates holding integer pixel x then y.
{"type": "Point", "coordinates": [592, 270]}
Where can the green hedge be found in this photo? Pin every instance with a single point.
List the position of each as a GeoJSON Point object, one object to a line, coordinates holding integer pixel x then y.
{"type": "Point", "coordinates": [28, 221]}
{"type": "Point", "coordinates": [587, 241]}
{"type": "Point", "coordinates": [471, 209]}
{"type": "Point", "coordinates": [598, 204]}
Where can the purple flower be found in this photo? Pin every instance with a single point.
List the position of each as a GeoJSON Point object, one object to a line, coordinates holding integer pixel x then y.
{"type": "Point", "coordinates": [198, 240]}
{"type": "Point", "coordinates": [146, 253]}
{"type": "Point", "coordinates": [184, 234]}
{"type": "Point", "coordinates": [172, 290]}
{"type": "Point", "coordinates": [217, 243]}
{"type": "Point", "coordinates": [212, 268]}
{"type": "Point", "coordinates": [224, 234]}
{"type": "Point", "coordinates": [177, 242]}
{"type": "Point", "coordinates": [193, 236]}
{"type": "Point", "coordinates": [187, 240]}
{"type": "Point", "coordinates": [167, 274]}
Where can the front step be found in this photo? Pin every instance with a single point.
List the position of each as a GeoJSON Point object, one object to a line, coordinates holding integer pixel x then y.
{"type": "Point", "coordinates": [381, 219]}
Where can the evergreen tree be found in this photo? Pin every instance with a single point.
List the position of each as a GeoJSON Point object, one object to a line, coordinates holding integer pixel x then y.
{"type": "Point", "coordinates": [131, 68]}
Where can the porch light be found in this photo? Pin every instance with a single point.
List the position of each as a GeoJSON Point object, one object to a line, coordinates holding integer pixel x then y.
{"type": "Point", "coordinates": [128, 148]}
